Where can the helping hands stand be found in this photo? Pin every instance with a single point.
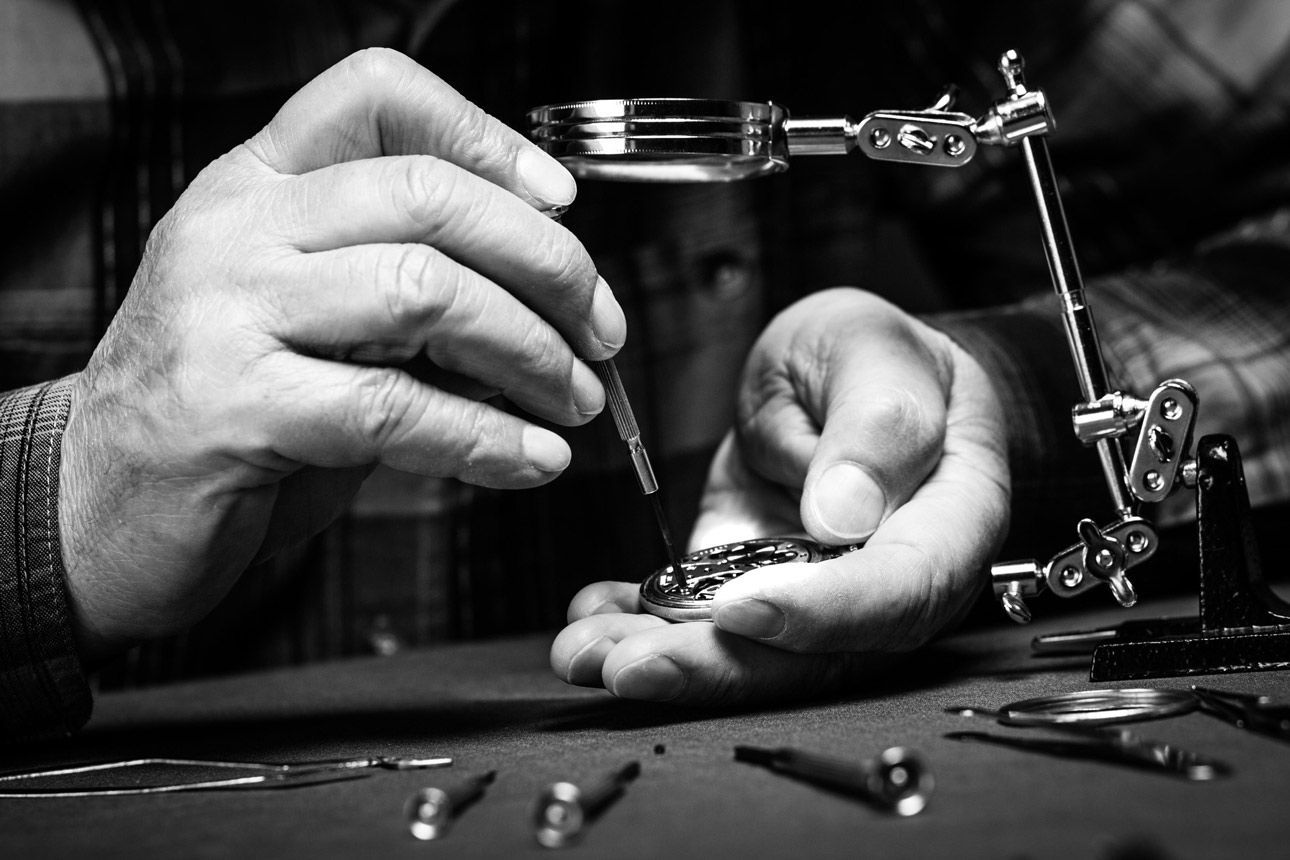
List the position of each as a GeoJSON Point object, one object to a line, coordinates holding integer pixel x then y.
{"type": "Point", "coordinates": [1242, 625]}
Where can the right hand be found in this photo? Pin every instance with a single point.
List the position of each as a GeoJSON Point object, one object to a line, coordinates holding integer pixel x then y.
{"type": "Point", "coordinates": [259, 366]}
{"type": "Point", "coordinates": [856, 422]}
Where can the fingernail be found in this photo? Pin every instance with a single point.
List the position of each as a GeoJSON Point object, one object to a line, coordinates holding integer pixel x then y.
{"type": "Point", "coordinates": [847, 502]}
{"type": "Point", "coordinates": [588, 393]}
{"type": "Point", "coordinates": [750, 617]}
{"type": "Point", "coordinates": [654, 679]}
{"type": "Point", "coordinates": [585, 666]}
{"type": "Point", "coordinates": [545, 450]}
{"type": "Point", "coordinates": [607, 318]}
{"type": "Point", "coordinates": [545, 178]}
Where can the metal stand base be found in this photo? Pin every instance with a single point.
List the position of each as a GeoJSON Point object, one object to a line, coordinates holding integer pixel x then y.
{"type": "Point", "coordinates": [1243, 625]}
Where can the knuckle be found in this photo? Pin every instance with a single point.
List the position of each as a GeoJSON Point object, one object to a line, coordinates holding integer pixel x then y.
{"type": "Point", "coordinates": [471, 435]}
{"type": "Point", "coordinates": [471, 124]}
{"type": "Point", "coordinates": [377, 65]}
{"type": "Point", "coordinates": [404, 273]}
{"type": "Point", "coordinates": [385, 401]}
{"type": "Point", "coordinates": [542, 352]}
{"type": "Point", "coordinates": [898, 412]}
{"type": "Point", "coordinates": [566, 264]}
{"type": "Point", "coordinates": [420, 188]}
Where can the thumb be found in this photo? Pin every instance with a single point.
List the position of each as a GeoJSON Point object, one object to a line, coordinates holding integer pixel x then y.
{"type": "Point", "coordinates": [883, 420]}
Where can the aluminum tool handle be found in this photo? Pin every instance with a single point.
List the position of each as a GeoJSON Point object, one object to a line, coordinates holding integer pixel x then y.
{"type": "Point", "coordinates": [896, 779]}
{"type": "Point", "coordinates": [564, 809]}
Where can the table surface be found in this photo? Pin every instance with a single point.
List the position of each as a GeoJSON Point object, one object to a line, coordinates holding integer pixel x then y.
{"type": "Point", "coordinates": [496, 706]}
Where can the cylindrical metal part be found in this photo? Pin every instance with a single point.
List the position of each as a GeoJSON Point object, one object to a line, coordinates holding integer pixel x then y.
{"type": "Point", "coordinates": [1108, 418]}
{"type": "Point", "coordinates": [644, 470]}
{"type": "Point", "coordinates": [1009, 122]}
{"type": "Point", "coordinates": [616, 396]}
{"type": "Point", "coordinates": [1081, 333]}
{"type": "Point", "coordinates": [820, 135]}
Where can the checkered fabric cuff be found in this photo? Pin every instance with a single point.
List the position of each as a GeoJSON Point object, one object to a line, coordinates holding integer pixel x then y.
{"type": "Point", "coordinates": [43, 689]}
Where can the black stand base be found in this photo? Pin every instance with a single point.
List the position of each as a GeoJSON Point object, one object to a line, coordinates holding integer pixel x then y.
{"type": "Point", "coordinates": [1243, 625]}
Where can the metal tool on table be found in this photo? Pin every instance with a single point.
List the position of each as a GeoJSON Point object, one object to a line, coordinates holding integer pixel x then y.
{"type": "Point", "coordinates": [896, 780]}
{"type": "Point", "coordinates": [1242, 625]}
{"type": "Point", "coordinates": [432, 810]}
{"type": "Point", "coordinates": [1089, 722]}
{"type": "Point", "coordinates": [1116, 746]}
{"type": "Point", "coordinates": [253, 775]}
{"type": "Point", "coordinates": [1253, 713]}
{"type": "Point", "coordinates": [564, 810]}
{"type": "Point", "coordinates": [1088, 708]}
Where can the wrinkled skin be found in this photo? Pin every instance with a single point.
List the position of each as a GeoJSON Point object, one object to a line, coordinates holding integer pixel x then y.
{"type": "Point", "coordinates": [855, 421]}
{"type": "Point", "coordinates": [259, 366]}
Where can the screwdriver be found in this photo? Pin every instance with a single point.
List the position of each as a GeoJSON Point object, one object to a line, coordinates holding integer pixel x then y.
{"type": "Point", "coordinates": [631, 435]}
{"type": "Point", "coordinates": [564, 809]}
{"type": "Point", "coordinates": [625, 421]}
{"type": "Point", "coordinates": [431, 811]}
{"type": "Point", "coordinates": [896, 780]}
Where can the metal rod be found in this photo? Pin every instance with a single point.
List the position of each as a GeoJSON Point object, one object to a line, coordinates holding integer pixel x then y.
{"type": "Point", "coordinates": [630, 433]}
{"type": "Point", "coordinates": [1081, 331]}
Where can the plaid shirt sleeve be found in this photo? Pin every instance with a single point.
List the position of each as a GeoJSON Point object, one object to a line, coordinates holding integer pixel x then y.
{"type": "Point", "coordinates": [43, 691]}
{"type": "Point", "coordinates": [1217, 318]}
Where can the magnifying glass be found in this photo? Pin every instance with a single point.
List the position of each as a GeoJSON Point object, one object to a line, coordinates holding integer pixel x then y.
{"type": "Point", "coordinates": [716, 140]}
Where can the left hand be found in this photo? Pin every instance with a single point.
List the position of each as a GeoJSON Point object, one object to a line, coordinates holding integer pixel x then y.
{"type": "Point", "coordinates": [856, 422]}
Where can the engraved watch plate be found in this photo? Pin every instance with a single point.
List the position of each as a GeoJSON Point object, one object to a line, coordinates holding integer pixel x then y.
{"type": "Point", "coordinates": [663, 594]}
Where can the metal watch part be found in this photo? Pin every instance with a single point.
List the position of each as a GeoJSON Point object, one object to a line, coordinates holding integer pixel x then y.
{"type": "Point", "coordinates": [663, 594]}
{"type": "Point", "coordinates": [1100, 707]}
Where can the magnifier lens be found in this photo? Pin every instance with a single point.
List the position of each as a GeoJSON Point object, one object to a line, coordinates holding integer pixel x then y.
{"type": "Point", "coordinates": [663, 140]}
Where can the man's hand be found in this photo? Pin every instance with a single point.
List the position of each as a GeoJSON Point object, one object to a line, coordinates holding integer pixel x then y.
{"type": "Point", "coordinates": [855, 422]}
{"type": "Point", "coordinates": [340, 291]}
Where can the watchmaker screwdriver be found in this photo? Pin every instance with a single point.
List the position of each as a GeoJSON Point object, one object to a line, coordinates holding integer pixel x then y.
{"type": "Point", "coordinates": [625, 421]}
{"type": "Point", "coordinates": [431, 811]}
{"type": "Point", "coordinates": [564, 809]}
{"type": "Point", "coordinates": [896, 780]}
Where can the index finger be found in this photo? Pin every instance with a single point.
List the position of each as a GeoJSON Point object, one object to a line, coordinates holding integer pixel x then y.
{"type": "Point", "coordinates": [379, 102]}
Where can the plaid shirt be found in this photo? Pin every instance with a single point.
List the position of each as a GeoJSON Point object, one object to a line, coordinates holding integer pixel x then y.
{"type": "Point", "coordinates": [1171, 146]}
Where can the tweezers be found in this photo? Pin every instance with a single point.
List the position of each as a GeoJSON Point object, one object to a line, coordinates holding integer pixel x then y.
{"type": "Point", "coordinates": [262, 775]}
{"type": "Point", "coordinates": [1111, 745]}
{"type": "Point", "coordinates": [1246, 711]}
